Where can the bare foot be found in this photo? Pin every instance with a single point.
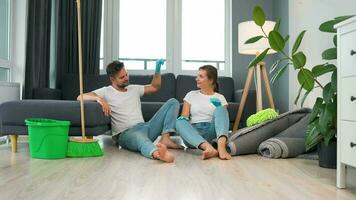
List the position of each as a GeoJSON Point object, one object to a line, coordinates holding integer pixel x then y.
{"type": "Point", "coordinates": [163, 154]}
{"type": "Point", "coordinates": [209, 153]}
{"type": "Point", "coordinates": [223, 154]}
{"type": "Point", "coordinates": [170, 144]}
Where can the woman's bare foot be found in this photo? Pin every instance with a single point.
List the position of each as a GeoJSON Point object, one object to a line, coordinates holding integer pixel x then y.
{"type": "Point", "coordinates": [223, 154]}
{"type": "Point", "coordinates": [208, 151]}
{"type": "Point", "coordinates": [166, 140]}
{"type": "Point", "coordinates": [163, 154]}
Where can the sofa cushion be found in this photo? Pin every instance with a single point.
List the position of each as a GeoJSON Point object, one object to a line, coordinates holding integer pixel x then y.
{"type": "Point", "coordinates": [186, 83]}
{"type": "Point", "coordinates": [226, 87]}
{"type": "Point", "coordinates": [15, 112]}
{"type": "Point", "coordinates": [70, 85]}
{"type": "Point", "coordinates": [167, 91]}
{"type": "Point", "coordinates": [149, 109]}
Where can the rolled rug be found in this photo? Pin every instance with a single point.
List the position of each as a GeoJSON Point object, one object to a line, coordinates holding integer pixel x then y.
{"type": "Point", "coordinates": [281, 147]}
{"type": "Point", "coordinates": [247, 140]}
{"type": "Point", "coordinates": [288, 144]}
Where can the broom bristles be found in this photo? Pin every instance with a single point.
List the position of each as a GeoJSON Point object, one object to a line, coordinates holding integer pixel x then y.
{"type": "Point", "coordinates": [84, 149]}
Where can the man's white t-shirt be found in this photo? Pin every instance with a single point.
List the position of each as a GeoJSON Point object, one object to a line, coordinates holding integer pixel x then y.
{"type": "Point", "coordinates": [125, 106]}
{"type": "Point", "coordinates": [201, 109]}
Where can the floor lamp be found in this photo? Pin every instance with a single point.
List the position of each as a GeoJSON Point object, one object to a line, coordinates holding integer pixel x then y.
{"type": "Point", "coordinates": [248, 30]}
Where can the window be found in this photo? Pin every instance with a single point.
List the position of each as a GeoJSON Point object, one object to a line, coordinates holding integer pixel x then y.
{"type": "Point", "coordinates": [5, 40]}
{"type": "Point", "coordinates": [187, 33]}
{"type": "Point", "coordinates": [203, 33]}
{"type": "Point", "coordinates": [4, 73]}
{"type": "Point", "coordinates": [142, 33]}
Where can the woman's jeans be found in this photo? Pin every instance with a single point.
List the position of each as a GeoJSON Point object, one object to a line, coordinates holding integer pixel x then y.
{"type": "Point", "coordinates": [195, 134]}
{"type": "Point", "coordinates": [140, 137]}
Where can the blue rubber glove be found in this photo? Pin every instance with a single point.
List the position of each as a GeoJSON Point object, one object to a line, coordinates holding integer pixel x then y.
{"type": "Point", "coordinates": [159, 63]}
{"type": "Point", "coordinates": [183, 118]}
{"type": "Point", "coordinates": [215, 101]}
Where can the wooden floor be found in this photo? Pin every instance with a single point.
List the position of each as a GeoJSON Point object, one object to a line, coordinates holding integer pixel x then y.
{"type": "Point", "coordinates": [121, 174]}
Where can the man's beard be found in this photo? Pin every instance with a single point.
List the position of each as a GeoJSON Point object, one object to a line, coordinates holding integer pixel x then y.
{"type": "Point", "coordinates": [123, 85]}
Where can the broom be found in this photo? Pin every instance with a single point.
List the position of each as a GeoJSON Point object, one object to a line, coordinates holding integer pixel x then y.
{"type": "Point", "coordinates": [82, 147]}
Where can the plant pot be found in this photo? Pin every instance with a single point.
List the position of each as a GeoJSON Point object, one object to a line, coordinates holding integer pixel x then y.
{"type": "Point", "coordinates": [327, 155]}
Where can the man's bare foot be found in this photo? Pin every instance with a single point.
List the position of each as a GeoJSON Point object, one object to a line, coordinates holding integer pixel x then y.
{"type": "Point", "coordinates": [170, 144]}
{"type": "Point", "coordinates": [163, 154]}
{"type": "Point", "coordinates": [166, 140]}
{"type": "Point", "coordinates": [209, 153]}
{"type": "Point", "coordinates": [223, 154]}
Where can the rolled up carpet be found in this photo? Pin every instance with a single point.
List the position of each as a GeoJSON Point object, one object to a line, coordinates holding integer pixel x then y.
{"type": "Point", "coordinates": [247, 140]}
{"type": "Point", "coordinates": [282, 147]}
{"type": "Point", "coordinates": [287, 144]}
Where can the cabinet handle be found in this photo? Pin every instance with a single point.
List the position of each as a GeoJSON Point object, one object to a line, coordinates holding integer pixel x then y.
{"type": "Point", "coordinates": [353, 98]}
{"type": "Point", "coordinates": [352, 144]}
{"type": "Point", "coordinates": [353, 52]}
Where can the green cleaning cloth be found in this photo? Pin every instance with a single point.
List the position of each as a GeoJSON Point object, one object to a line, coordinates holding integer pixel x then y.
{"type": "Point", "coordinates": [261, 116]}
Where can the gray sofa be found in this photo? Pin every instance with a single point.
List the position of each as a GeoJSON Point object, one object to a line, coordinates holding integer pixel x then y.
{"type": "Point", "coordinates": [61, 104]}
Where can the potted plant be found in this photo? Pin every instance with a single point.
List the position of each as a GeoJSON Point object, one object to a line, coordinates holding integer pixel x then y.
{"type": "Point", "coordinates": [321, 128]}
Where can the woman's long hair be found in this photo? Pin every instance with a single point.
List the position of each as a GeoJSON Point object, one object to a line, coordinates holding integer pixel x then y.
{"type": "Point", "coordinates": [212, 74]}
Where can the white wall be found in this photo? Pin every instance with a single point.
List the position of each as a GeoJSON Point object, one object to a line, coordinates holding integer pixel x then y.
{"type": "Point", "coordinates": [18, 56]}
{"type": "Point", "coordinates": [308, 15]}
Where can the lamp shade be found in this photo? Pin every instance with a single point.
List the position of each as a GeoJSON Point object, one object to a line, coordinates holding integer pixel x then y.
{"type": "Point", "coordinates": [248, 30]}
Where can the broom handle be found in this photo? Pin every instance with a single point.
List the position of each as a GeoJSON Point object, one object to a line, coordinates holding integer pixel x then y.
{"type": "Point", "coordinates": [80, 70]}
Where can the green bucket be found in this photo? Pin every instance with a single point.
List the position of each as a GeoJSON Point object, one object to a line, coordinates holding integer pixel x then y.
{"type": "Point", "coordinates": [48, 138]}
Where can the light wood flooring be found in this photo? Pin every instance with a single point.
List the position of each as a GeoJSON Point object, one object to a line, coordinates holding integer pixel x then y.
{"type": "Point", "coordinates": [121, 174]}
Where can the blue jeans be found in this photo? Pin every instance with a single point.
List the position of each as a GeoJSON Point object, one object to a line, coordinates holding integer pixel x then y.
{"type": "Point", "coordinates": [140, 138]}
{"type": "Point", "coordinates": [195, 134]}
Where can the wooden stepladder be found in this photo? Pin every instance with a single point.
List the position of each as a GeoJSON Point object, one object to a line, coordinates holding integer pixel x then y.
{"type": "Point", "coordinates": [261, 73]}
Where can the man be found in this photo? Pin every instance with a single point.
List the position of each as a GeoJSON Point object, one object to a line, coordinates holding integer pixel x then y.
{"type": "Point", "coordinates": [122, 102]}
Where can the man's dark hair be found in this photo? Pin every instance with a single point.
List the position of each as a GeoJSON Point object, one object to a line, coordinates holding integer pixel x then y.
{"type": "Point", "coordinates": [114, 67]}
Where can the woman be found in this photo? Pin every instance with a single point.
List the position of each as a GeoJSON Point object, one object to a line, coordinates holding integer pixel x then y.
{"type": "Point", "coordinates": [204, 116]}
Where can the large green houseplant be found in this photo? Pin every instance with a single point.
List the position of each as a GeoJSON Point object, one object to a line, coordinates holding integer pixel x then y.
{"type": "Point", "coordinates": [322, 121]}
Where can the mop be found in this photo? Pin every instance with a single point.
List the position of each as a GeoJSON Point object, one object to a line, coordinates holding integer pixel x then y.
{"type": "Point", "coordinates": [82, 147]}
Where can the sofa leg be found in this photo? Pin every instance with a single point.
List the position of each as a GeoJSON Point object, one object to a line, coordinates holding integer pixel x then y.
{"type": "Point", "coordinates": [13, 143]}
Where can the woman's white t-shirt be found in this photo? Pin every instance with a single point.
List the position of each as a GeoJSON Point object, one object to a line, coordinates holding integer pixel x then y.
{"type": "Point", "coordinates": [201, 109]}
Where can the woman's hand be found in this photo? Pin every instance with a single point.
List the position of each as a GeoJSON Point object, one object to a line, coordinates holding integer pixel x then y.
{"type": "Point", "coordinates": [215, 101]}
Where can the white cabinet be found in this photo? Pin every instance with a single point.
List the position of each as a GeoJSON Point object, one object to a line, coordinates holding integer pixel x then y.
{"type": "Point", "coordinates": [346, 96]}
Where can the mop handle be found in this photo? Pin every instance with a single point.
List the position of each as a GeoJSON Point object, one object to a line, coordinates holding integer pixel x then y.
{"type": "Point", "coordinates": [80, 70]}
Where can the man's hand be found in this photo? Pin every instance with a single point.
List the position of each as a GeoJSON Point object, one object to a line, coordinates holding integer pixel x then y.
{"type": "Point", "coordinates": [215, 101]}
{"type": "Point", "coordinates": [159, 63]}
{"type": "Point", "coordinates": [105, 106]}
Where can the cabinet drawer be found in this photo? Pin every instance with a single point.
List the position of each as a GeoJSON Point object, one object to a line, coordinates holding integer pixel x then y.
{"type": "Point", "coordinates": [348, 61]}
{"type": "Point", "coordinates": [347, 103]}
{"type": "Point", "coordinates": [347, 136]}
